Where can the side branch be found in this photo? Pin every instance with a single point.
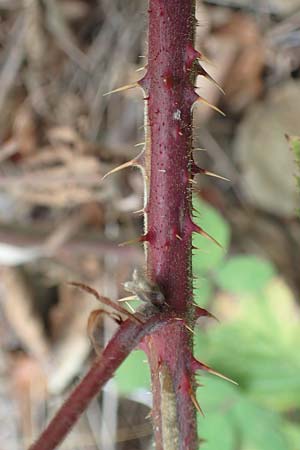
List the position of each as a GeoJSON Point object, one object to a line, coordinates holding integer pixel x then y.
{"type": "Point", "coordinates": [122, 343]}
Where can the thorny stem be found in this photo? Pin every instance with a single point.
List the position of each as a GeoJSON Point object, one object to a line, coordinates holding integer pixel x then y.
{"type": "Point", "coordinates": [170, 95]}
{"type": "Point", "coordinates": [169, 91]}
{"type": "Point", "coordinates": [168, 167]}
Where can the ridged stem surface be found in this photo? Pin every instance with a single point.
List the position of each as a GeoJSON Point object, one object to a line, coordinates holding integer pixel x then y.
{"type": "Point", "coordinates": [168, 86]}
{"type": "Point", "coordinates": [170, 95]}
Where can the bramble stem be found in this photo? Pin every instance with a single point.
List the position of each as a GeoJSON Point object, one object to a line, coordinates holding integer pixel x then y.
{"type": "Point", "coordinates": [169, 91]}
{"type": "Point", "coordinates": [165, 335]}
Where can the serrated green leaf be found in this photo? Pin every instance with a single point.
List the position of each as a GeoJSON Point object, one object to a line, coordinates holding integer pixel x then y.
{"type": "Point", "coordinates": [258, 347]}
{"type": "Point", "coordinates": [232, 420]}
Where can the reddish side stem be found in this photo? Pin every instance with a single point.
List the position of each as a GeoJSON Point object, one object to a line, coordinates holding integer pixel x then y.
{"type": "Point", "coordinates": [123, 342]}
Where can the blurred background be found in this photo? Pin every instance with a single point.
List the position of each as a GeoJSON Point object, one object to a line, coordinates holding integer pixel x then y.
{"type": "Point", "coordinates": [60, 223]}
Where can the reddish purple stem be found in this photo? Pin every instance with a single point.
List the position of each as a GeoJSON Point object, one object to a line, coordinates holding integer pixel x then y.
{"type": "Point", "coordinates": [169, 90]}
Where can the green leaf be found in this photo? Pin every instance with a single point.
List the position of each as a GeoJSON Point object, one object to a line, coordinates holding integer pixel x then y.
{"type": "Point", "coordinates": [258, 428]}
{"type": "Point", "coordinates": [233, 421]}
{"type": "Point", "coordinates": [244, 274]}
{"type": "Point", "coordinates": [292, 431]}
{"type": "Point", "coordinates": [258, 346]}
{"type": "Point", "coordinates": [216, 394]}
{"type": "Point", "coordinates": [294, 142]}
{"type": "Point", "coordinates": [134, 373]}
{"type": "Point", "coordinates": [217, 397]}
{"type": "Point", "coordinates": [202, 289]}
{"type": "Point", "coordinates": [217, 433]}
{"type": "Point", "coordinates": [209, 254]}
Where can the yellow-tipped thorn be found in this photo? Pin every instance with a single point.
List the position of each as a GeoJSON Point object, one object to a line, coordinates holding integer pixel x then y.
{"type": "Point", "coordinates": [220, 375]}
{"type": "Point", "coordinates": [128, 299]}
{"type": "Point", "coordinates": [212, 239]}
{"type": "Point", "coordinates": [205, 74]}
{"type": "Point", "coordinates": [206, 60]}
{"type": "Point", "coordinates": [130, 163]}
{"type": "Point", "coordinates": [215, 83]}
{"type": "Point", "coordinates": [189, 329]}
{"type": "Point", "coordinates": [196, 403]}
{"type": "Point", "coordinates": [149, 415]}
{"type": "Point", "coordinates": [130, 307]}
{"type": "Point", "coordinates": [178, 237]}
{"type": "Point", "coordinates": [204, 313]}
{"type": "Point", "coordinates": [210, 105]}
{"type": "Point", "coordinates": [215, 175]}
{"type": "Point", "coordinates": [121, 89]}
{"type": "Point", "coordinates": [185, 325]}
{"type": "Point", "coordinates": [199, 230]}
{"type": "Point", "coordinates": [131, 241]}
{"type": "Point", "coordinates": [141, 68]}
{"type": "Point", "coordinates": [198, 149]}
{"type": "Point", "coordinates": [139, 211]}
